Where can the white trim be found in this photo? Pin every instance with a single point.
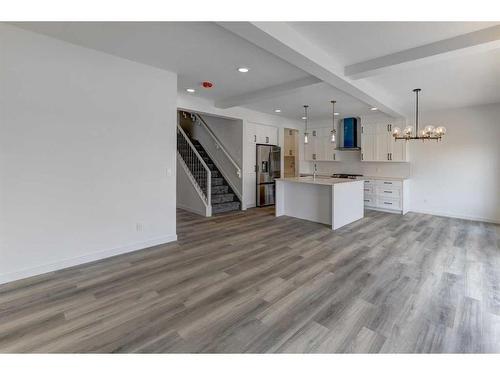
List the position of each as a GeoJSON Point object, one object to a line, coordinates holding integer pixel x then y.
{"type": "Point", "coordinates": [71, 262]}
{"type": "Point", "coordinates": [184, 207]}
{"type": "Point", "coordinates": [208, 204]}
{"type": "Point", "coordinates": [456, 216]}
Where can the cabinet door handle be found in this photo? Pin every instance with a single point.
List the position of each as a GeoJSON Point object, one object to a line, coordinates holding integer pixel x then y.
{"type": "Point", "coordinates": [388, 156]}
{"type": "Point", "coordinates": [361, 156]}
{"type": "Point", "coordinates": [333, 156]}
{"type": "Point", "coordinates": [387, 183]}
{"type": "Point", "coordinates": [387, 203]}
{"type": "Point", "coordinates": [290, 152]}
{"type": "Point", "coordinates": [387, 191]}
{"type": "Point", "coordinates": [367, 200]}
{"type": "Point", "coordinates": [267, 139]}
{"type": "Point", "coordinates": [314, 156]}
{"type": "Point", "coordinates": [255, 138]}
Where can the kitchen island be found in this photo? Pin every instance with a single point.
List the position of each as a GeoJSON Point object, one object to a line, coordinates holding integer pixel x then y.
{"type": "Point", "coordinates": [332, 201]}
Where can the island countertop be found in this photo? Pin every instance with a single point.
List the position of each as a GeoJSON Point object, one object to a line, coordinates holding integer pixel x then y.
{"type": "Point", "coordinates": [319, 180]}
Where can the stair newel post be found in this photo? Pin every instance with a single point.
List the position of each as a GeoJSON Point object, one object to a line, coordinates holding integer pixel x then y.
{"type": "Point", "coordinates": [209, 188]}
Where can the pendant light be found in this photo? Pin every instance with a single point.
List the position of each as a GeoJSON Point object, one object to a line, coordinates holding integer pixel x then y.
{"type": "Point", "coordinates": [333, 138]}
{"type": "Point", "coordinates": [429, 132]}
{"type": "Point", "coordinates": [306, 134]}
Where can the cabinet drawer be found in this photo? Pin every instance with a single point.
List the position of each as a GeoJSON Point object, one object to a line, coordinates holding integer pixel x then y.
{"type": "Point", "coordinates": [389, 183]}
{"type": "Point", "coordinates": [388, 192]}
{"type": "Point", "coordinates": [389, 203]}
{"type": "Point", "coordinates": [369, 201]}
{"type": "Point", "coordinates": [368, 189]}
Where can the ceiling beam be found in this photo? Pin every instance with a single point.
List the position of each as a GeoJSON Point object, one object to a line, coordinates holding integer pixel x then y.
{"type": "Point", "coordinates": [282, 40]}
{"type": "Point", "coordinates": [266, 93]}
{"type": "Point", "coordinates": [481, 40]}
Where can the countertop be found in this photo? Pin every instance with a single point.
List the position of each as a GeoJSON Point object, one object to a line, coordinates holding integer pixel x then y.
{"type": "Point", "coordinates": [320, 180]}
{"type": "Point", "coordinates": [384, 178]}
{"type": "Point", "coordinates": [362, 177]}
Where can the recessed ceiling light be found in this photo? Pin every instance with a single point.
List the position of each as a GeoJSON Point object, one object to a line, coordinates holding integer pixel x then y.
{"type": "Point", "coordinates": [277, 110]}
{"type": "Point", "coordinates": [243, 70]}
{"type": "Point", "coordinates": [304, 118]}
{"type": "Point", "coordinates": [191, 90]}
{"type": "Point", "coordinates": [336, 113]}
{"type": "Point", "coordinates": [373, 109]}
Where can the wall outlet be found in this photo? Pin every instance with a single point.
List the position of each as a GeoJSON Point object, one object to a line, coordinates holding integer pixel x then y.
{"type": "Point", "coordinates": [138, 227]}
{"type": "Point", "coordinates": [169, 172]}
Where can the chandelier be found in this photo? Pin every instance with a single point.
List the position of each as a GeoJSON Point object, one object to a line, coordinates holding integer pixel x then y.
{"type": "Point", "coordinates": [429, 132]}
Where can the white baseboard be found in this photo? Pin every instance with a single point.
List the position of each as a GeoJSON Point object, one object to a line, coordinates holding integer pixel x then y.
{"type": "Point", "coordinates": [191, 209]}
{"type": "Point", "coordinates": [71, 262]}
{"type": "Point", "coordinates": [456, 216]}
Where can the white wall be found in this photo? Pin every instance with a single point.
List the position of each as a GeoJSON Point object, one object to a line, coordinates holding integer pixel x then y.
{"type": "Point", "coordinates": [460, 176]}
{"type": "Point", "coordinates": [230, 133]}
{"type": "Point", "coordinates": [87, 143]}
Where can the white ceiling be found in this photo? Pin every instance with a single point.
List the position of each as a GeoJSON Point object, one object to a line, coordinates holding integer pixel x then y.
{"type": "Point", "coordinates": [451, 83]}
{"type": "Point", "coordinates": [353, 42]}
{"type": "Point", "coordinates": [200, 51]}
{"type": "Point", "coordinates": [196, 51]}
{"type": "Point", "coordinates": [318, 98]}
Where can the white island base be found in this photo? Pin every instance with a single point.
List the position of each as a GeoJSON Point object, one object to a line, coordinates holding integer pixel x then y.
{"type": "Point", "coordinates": [332, 201]}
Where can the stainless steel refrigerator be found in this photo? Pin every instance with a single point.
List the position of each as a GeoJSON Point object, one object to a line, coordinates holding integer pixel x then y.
{"type": "Point", "coordinates": [268, 169]}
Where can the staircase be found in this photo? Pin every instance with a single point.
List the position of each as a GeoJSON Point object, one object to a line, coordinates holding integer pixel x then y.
{"type": "Point", "coordinates": [222, 197]}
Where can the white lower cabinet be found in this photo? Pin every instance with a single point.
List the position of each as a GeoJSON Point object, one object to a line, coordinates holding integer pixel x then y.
{"type": "Point", "coordinates": [385, 194]}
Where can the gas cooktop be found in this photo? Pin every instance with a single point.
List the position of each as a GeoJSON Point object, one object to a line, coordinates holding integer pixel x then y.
{"type": "Point", "coordinates": [344, 175]}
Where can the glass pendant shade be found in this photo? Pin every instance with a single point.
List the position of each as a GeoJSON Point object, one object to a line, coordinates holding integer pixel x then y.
{"type": "Point", "coordinates": [305, 117]}
{"type": "Point", "coordinates": [408, 130]}
{"type": "Point", "coordinates": [332, 139]}
{"type": "Point", "coordinates": [429, 129]}
{"type": "Point", "coordinates": [440, 130]}
{"type": "Point", "coordinates": [396, 131]}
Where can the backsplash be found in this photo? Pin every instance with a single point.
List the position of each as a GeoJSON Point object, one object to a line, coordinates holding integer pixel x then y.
{"type": "Point", "coordinates": [352, 164]}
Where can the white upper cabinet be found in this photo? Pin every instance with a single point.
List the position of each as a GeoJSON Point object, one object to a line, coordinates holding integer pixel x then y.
{"type": "Point", "coordinates": [266, 134]}
{"type": "Point", "coordinates": [368, 141]}
{"type": "Point", "coordinates": [320, 147]}
{"type": "Point", "coordinates": [377, 144]}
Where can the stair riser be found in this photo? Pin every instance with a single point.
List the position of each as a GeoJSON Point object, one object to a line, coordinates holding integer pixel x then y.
{"type": "Point", "coordinates": [225, 207]}
{"type": "Point", "coordinates": [222, 198]}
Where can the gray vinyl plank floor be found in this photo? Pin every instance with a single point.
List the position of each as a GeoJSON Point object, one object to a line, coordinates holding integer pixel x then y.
{"type": "Point", "coordinates": [248, 282]}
